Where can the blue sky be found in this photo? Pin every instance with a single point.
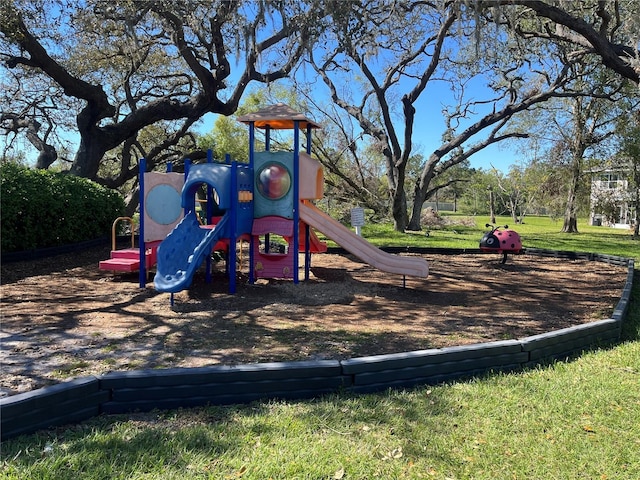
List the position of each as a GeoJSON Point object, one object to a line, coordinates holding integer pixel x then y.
{"type": "Point", "coordinates": [429, 125]}
{"type": "Point", "coordinates": [429, 128]}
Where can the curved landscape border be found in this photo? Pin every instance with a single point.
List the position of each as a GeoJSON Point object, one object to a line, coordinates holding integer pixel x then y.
{"type": "Point", "coordinates": [144, 390]}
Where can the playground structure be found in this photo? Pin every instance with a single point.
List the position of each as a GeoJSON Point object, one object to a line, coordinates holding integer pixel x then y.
{"type": "Point", "coordinates": [269, 198]}
{"type": "Point", "coordinates": [503, 241]}
{"type": "Point", "coordinates": [161, 211]}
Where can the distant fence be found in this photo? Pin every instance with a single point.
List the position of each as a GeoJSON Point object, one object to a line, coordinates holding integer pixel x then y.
{"type": "Point", "coordinates": [440, 206]}
{"type": "Point", "coordinates": [144, 390]}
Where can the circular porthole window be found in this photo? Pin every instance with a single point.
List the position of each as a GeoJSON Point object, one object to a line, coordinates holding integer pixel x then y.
{"type": "Point", "coordinates": [163, 204]}
{"type": "Point", "coordinates": [273, 181]}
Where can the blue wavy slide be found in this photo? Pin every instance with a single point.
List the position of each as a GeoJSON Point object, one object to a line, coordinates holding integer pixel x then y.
{"type": "Point", "coordinates": [183, 250]}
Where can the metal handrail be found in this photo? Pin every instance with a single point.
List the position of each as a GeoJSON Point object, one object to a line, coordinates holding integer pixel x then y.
{"type": "Point", "coordinates": [113, 231]}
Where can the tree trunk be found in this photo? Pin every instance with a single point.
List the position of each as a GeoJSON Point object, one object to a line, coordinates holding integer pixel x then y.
{"type": "Point", "coordinates": [398, 197]}
{"type": "Point", "coordinates": [46, 157]}
{"type": "Point", "coordinates": [416, 211]}
{"type": "Point", "coordinates": [399, 209]}
{"type": "Point", "coordinates": [636, 214]}
{"type": "Point", "coordinates": [492, 207]}
{"type": "Point", "coordinates": [420, 192]}
{"type": "Point", "coordinates": [635, 179]}
{"type": "Point", "coordinates": [514, 211]}
{"type": "Point", "coordinates": [88, 157]}
{"type": "Point", "coordinates": [570, 223]}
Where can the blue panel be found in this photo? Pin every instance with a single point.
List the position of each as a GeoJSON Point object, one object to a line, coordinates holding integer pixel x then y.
{"type": "Point", "coordinates": [216, 175]}
{"type": "Point", "coordinates": [163, 204]}
{"type": "Point", "coordinates": [273, 192]}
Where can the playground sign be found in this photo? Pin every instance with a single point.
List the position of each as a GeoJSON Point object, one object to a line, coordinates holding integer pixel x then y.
{"type": "Point", "coordinates": [357, 219]}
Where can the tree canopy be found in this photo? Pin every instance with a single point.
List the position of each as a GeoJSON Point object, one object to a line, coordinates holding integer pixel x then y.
{"type": "Point", "coordinates": [109, 71]}
{"type": "Point", "coordinates": [609, 30]}
{"type": "Point", "coordinates": [132, 79]}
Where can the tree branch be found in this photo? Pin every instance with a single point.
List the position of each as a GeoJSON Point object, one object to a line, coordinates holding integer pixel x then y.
{"type": "Point", "coordinates": [617, 57]}
{"type": "Point", "coordinates": [72, 86]}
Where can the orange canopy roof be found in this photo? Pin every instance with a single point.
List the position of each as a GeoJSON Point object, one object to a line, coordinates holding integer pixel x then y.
{"type": "Point", "coordinates": [279, 116]}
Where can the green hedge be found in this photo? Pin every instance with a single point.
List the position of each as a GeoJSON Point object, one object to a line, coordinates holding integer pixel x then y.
{"type": "Point", "coordinates": [46, 209]}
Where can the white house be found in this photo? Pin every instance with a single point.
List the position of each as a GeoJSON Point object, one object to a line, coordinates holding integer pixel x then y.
{"type": "Point", "coordinates": [610, 197]}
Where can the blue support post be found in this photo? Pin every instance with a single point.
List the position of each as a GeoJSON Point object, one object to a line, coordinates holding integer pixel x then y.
{"type": "Point", "coordinates": [208, 214]}
{"type": "Point", "coordinates": [267, 138]}
{"type": "Point", "coordinates": [267, 147]}
{"type": "Point", "coordinates": [307, 251]}
{"type": "Point", "coordinates": [252, 133]}
{"type": "Point", "coordinates": [227, 161]}
{"type": "Point", "coordinates": [142, 274]}
{"type": "Point", "coordinates": [252, 137]}
{"type": "Point", "coordinates": [296, 198]}
{"type": "Point", "coordinates": [187, 166]}
{"type": "Point", "coordinates": [209, 190]}
{"type": "Point", "coordinates": [309, 139]}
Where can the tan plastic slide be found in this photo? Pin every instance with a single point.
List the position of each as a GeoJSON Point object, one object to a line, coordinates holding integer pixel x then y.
{"type": "Point", "coordinates": [358, 246]}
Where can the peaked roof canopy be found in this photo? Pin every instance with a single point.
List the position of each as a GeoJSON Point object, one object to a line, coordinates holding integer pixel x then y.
{"type": "Point", "coordinates": [278, 116]}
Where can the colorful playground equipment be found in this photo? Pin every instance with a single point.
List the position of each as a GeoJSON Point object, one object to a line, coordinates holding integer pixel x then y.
{"type": "Point", "coordinates": [127, 259]}
{"type": "Point", "coordinates": [501, 241]}
{"type": "Point", "coordinates": [161, 212]}
{"type": "Point", "coordinates": [267, 202]}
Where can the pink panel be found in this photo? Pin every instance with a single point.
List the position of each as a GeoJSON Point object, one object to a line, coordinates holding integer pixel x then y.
{"type": "Point", "coordinates": [272, 265]}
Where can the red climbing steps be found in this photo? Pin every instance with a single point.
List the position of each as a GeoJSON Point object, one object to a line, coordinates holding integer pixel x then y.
{"type": "Point", "coordinates": [128, 259]}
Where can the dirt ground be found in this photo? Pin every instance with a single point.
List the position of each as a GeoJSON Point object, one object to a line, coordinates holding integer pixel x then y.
{"type": "Point", "coordinates": [62, 317]}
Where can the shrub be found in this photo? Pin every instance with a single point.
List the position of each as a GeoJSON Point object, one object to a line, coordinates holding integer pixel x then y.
{"type": "Point", "coordinates": [42, 209]}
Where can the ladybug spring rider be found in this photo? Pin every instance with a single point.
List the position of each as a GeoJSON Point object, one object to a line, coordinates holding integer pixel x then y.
{"type": "Point", "coordinates": [501, 241]}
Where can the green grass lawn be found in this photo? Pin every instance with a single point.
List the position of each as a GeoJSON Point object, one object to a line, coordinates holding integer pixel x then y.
{"type": "Point", "coordinates": [536, 232]}
{"type": "Point", "coordinates": [569, 420]}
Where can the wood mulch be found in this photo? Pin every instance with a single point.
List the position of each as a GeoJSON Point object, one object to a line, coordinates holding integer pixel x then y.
{"type": "Point", "coordinates": [62, 317]}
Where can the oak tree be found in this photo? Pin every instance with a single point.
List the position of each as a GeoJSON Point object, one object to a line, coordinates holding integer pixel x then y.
{"type": "Point", "coordinates": [114, 72]}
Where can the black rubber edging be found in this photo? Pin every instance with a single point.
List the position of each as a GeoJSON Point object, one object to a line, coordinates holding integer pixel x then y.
{"type": "Point", "coordinates": [37, 254]}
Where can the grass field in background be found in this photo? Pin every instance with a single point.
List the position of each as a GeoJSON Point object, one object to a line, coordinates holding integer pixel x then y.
{"type": "Point", "coordinates": [536, 232]}
{"type": "Point", "coordinates": [569, 420]}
